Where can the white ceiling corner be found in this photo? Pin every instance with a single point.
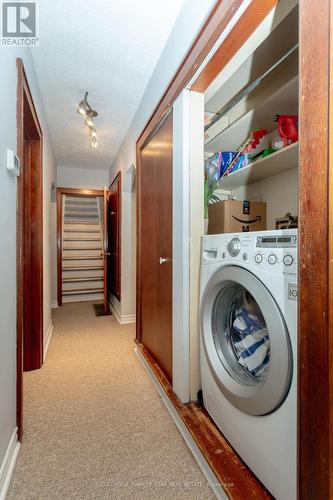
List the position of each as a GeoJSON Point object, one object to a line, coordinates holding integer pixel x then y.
{"type": "Point", "coordinates": [107, 47]}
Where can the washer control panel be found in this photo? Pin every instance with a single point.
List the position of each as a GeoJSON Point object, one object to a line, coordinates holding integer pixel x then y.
{"type": "Point", "coordinates": [273, 251]}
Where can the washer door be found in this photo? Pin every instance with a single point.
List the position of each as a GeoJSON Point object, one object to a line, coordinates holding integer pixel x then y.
{"type": "Point", "coordinates": [246, 341]}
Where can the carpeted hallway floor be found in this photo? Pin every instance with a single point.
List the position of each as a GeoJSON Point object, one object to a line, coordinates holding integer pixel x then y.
{"type": "Point", "coordinates": [95, 427]}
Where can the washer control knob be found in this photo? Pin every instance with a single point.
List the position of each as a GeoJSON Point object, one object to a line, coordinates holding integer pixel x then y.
{"type": "Point", "coordinates": [272, 259]}
{"type": "Point", "coordinates": [288, 260]}
{"type": "Point", "coordinates": [258, 258]}
{"type": "Point", "coordinates": [234, 247]}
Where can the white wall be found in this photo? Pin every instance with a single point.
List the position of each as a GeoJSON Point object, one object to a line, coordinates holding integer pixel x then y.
{"type": "Point", "coordinates": [8, 87]}
{"type": "Point", "coordinates": [76, 177]}
{"type": "Point", "coordinates": [280, 192]}
{"type": "Point", "coordinates": [191, 18]}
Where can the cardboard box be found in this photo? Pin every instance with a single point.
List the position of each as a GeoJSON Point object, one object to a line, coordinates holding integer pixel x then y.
{"type": "Point", "coordinates": [233, 216]}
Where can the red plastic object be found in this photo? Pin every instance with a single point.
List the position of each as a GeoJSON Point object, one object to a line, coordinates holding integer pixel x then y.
{"type": "Point", "coordinates": [287, 127]}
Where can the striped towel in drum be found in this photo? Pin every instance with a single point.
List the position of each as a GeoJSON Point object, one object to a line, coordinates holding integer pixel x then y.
{"type": "Point", "coordinates": [252, 343]}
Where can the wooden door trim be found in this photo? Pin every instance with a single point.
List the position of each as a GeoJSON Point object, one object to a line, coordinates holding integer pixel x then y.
{"type": "Point", "coordinates": [24, 96]}
{"type": "Point", "coordinates": [72, 192]}
{"type": "Point", "coordinates": [105, 248]}
{"type": "Point", "coordinates": [315, 266]}
{"type": "Point", "coordinates": [243, 29]}
{"type": "Point", "coordinates": [118, 178]}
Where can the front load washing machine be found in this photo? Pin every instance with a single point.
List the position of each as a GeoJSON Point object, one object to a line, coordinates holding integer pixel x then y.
{"type": "Point", "coordinates": [248, 294]}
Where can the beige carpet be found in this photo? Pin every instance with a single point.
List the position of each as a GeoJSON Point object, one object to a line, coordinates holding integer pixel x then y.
{"type": "Point", "coordinates": [95, 426]}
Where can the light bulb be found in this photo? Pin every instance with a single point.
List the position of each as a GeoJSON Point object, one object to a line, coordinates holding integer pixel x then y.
{"type": "Point", "coordinates": [94, 143]}
{"type": "Point", "coordinates": [80, 109]}
{"type": "Point", "coordinates": [89, 122]}
{"type": "Point", "coordinates": [92, 132]}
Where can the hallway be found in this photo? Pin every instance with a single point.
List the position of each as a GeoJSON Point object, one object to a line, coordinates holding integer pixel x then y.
{"type": "Point", "coordinates": [95, 426]}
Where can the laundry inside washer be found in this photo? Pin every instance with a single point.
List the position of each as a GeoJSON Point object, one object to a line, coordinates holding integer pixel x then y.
{"type": "Point", "coordinates": [241, 332]}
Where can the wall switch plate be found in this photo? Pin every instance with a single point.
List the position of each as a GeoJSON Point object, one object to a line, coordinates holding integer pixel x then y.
{"type": "Point", "coordinates": [13, 163]}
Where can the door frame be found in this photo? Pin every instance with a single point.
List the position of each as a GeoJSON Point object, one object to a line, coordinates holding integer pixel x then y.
{"type": "Point", "coordinates": [315, 379]}
{"type": "Point", "coordinates": [72, 192]}
{"type": "Point", "coordinates": [27, 118]}
{"type": "Point", "coordinates": [118, 178]}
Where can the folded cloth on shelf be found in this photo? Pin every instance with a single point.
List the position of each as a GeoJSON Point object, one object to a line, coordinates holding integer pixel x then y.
{"type": "Point", "coordinates": [252, 343]}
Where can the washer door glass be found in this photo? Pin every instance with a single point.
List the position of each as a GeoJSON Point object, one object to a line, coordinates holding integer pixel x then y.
{"type": "Point", "coordinates": [240, 334]}
{"type": "Point", "coordinates": [246, 341]}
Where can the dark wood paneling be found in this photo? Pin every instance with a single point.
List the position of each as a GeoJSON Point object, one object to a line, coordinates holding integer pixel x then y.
{"type": "Point", "coordinates": [237, 479]}
{"type": "Point", "coordinates": [155, 241]}
{"type": "Point", "coordinates": [29, 239]}
{"type": "Point", "coordinates": [72, 192]}
{"type": "Point", "coordinates": [314, 333]}
{"type": "Point", "coordinates": [114, 247]}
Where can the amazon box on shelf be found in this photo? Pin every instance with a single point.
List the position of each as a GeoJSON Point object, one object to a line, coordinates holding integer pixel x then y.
{"type": "Point", "coordinates": [233, 216]}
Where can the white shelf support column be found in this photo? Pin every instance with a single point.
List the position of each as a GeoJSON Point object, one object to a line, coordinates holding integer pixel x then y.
{"type": "Point", "coordinates": [188, 227]}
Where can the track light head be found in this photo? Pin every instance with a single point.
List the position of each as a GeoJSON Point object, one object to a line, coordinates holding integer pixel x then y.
{"type": "Point", "coordinates": [85, 109]}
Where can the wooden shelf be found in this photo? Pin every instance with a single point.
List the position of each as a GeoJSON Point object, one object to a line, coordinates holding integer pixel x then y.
{"type": "Point", "coordinates": [284, 159]}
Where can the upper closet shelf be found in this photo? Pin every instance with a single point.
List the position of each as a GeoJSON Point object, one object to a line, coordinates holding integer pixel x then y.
{"type": "Point", "coordinates": [284, 159]}
{"type": "Point", "coordinates": [283, 101]}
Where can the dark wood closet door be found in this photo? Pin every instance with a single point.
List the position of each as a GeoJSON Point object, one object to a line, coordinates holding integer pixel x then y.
{"type": "Point", "coordinates": [155, 259]}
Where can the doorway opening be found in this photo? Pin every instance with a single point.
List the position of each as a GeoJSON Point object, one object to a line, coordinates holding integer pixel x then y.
{"type": "Point", "coordinates": [82, 245]}
{"type": "Point", "coordinates": [29, 239]}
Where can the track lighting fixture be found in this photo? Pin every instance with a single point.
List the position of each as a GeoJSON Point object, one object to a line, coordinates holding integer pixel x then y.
{"type": "Point", "coordinates": [84, 109]}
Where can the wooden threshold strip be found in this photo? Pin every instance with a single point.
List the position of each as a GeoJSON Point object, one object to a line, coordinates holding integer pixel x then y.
{"type": "Point", "coordinates": [235, 477]}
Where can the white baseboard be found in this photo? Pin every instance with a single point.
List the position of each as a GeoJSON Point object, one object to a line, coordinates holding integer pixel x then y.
{"type": "Point", "coordinates": [54, 305]}
{"type": "Point", "coordinates": [8, 464]}
{"type": "Point", "coordinates": [196, 452]}
{"type": "Point", "coordinates": [123, 319]}
{"type": "Point", "coordinates": [47, 340]}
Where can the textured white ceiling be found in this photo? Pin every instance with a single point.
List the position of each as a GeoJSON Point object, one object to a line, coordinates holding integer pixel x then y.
{"type": "Point", "coordinates": [110, 49]}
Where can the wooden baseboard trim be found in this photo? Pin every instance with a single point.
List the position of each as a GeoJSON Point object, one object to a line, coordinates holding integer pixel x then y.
{"type": "Point", "coordinates": [236, 479]}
